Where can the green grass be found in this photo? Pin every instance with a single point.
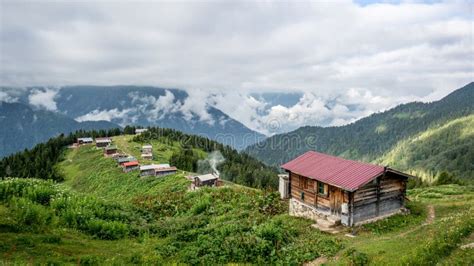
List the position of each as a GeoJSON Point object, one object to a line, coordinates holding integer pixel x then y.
{"type": "Point", "coordinates": [405, 240]}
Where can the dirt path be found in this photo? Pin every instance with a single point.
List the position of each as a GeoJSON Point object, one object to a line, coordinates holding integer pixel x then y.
{"type": "Point", "coordinates": [431, 215]}
{"type": "Point", "coordinates": [316, 262]}
{"type": "Point", "coordinates": [429, 220]}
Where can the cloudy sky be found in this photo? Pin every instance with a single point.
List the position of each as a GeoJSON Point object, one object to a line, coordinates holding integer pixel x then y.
{"type": "Point", "coordinates": [344, 59]}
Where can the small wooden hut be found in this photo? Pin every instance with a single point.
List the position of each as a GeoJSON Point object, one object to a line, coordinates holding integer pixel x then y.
{"type": "Point", "coordinates": [325, 186]}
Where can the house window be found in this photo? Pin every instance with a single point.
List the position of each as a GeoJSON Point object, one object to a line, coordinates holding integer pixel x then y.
{"type": "Point", "coordinates": [305, 183]}
{"type": "Point", "coordinates": [322, 189]}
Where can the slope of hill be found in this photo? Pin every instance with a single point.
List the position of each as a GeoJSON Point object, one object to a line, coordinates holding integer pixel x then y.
{"type": "Point", "coordinates": [449, 147]}
{"type": "Point", "coordinates": [370, 137]}
{"type": "Point", "coordinates": [21, 127]}
{"type": "Point", "coordinates": [100, 215]}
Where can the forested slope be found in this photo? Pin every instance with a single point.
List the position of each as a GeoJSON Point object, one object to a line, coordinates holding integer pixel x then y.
{"type": "Point", "coordinates": [369, 138]}
{"type": "Point", "coordinates": [448, 148]}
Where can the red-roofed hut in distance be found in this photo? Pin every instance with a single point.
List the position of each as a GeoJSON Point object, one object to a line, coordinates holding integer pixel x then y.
{"type": "Point", "coordinates": [322, 186]}
{"type": "Point", "coordinates": [130, 166]}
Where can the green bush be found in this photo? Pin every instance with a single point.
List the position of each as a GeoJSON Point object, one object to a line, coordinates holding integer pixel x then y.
{"type": "Point", "coordinates": [90, 260]}
{"type": "Point", "coordinates": [201, 205]}
{"type": "Point", "coordinates": [445, 178]}
{"type": "Point", "coordinates": [39, 191]}
{"type": "Point", "coordinates": [51, 239]}
{"type": "Point", "coordinates": [356, 258]}
{"type": "Point", "coordinates": [110, 230]}
{"type": "Point", "coordinates": [30, 216]}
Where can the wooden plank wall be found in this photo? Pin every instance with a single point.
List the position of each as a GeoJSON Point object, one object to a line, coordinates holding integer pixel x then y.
{"type": "Point", "coordinates": [311, 197]}
{"type": "Point", "coordinates": [382, 196]}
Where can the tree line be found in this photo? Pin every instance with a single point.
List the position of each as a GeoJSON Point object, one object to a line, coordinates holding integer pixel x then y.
{"type": "Point", "coordinates": [238, 167]}
{"type": "Point", "coordinates": [40, 161]}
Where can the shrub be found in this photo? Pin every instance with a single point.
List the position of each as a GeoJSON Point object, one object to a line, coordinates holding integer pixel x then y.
{"type": "Point", "coordinates": [356, 257]}
{"type": "Point", "coordinates": [90, 260]}
{"type": "Point", "coordinates": [445, 178]}
{"type": "Point", "coordinates": [107, 230]}
{"type": "Point", "coordinates": [30, 216]}
{"type": "Point", "coordinates": [51, 239]}
{"type": "Point", "coordinates": [36, 190]}
{"type": "Point", "coordinates": [201, 205]}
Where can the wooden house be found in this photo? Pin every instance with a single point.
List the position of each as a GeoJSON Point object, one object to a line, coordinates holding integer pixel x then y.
{"type": "Point", "coordinates": [324, 186]}
{"type": "Point", "coordinates": [166, 171]}
{"type": "Point", "coordinates": [139, 131]}
{"type": "Point", "coordinates": [102, 142]}
{"type": "Point", "coordinates": [130, 166]}
{"type": "Point", "coordinates": [119, 156]}
{"type": "Point", "coordinates": [151, 169]}
{"type": "Point", "coordinates": [147, 156]}
{"type": "Point", "coordinates": [147, 149]}
{"type": "Point", "coordinates": [110, 150]}
{"type": "Point", "coordinates": [124, 160]}
{"type": "Point", "coordinates": [82, 141]}
{"type": "Point", "coordinates": [147, 170]}
{"type": "Point", "coordinates": [207, 180]}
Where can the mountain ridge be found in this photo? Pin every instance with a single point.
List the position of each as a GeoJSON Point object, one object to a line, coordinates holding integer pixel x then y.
{"type": "Point", "coordinates": [23, 127]}
{"type": "Point", "coordinates": [370, 137]}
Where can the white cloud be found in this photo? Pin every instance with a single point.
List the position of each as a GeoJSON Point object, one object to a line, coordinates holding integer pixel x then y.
{"type": "Point", "coordinates": [43, 98]}
{"type": "Point", "coordinates": [124, 116]}
{"type": "Point", "coordinates": [155, 109]}
{"type": "Point", "coordinates": [5, 97]}
{"type": "Point", "coordinates": [388, 53]}
{"type": "Point", "coordinates": [196, 105]}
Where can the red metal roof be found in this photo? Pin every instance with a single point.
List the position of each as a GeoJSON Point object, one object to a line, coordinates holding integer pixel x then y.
{"type": "Point", "coordinates": [346, 174]}
{"type": "Point", "coordinates": [130, 164]}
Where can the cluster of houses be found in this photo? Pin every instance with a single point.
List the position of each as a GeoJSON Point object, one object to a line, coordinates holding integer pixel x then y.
{"type": "Point", "coordinates": [127, 162]}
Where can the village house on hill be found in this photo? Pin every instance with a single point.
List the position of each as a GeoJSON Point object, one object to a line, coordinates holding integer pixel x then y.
{"type": "Point", "coordinates": [157, 170]}
{"type": "Point", "coordinates": [139, 131]}
{"type": "Point", "coordinates": [110, 150]}
{"type": "Point", "coordinates": [207, 180]}
{"type": "Point", "coordinates": [130, 166]}
{"type": "Point", "coordinates": [122, 160]}
{"type": "Point", "coordinates": [147, 152]}
{"type": "Point", "coordinates": [86, 140]}
{"type": "Point", "coordinates": [102, 142]}
{"type": "Point", "coordinates": [346, 191]}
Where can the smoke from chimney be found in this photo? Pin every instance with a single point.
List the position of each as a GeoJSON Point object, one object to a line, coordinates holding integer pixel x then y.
{"type": "Point", "coordinates": [213, 160]}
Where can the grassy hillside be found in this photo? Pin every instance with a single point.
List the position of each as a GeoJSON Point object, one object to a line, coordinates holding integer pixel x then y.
{"type": "Point", "coordinates": [100, 215]}
{"type": "Point", "coordinates": [156, 218]}
{"type": "Point", "coordinates": [449, 147]}
{"type": "Point", "coordinates": [371, 137]}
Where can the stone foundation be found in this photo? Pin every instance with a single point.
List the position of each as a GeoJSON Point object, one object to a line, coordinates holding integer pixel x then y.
{"type": "Point", "coordinates": [300, 209]}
